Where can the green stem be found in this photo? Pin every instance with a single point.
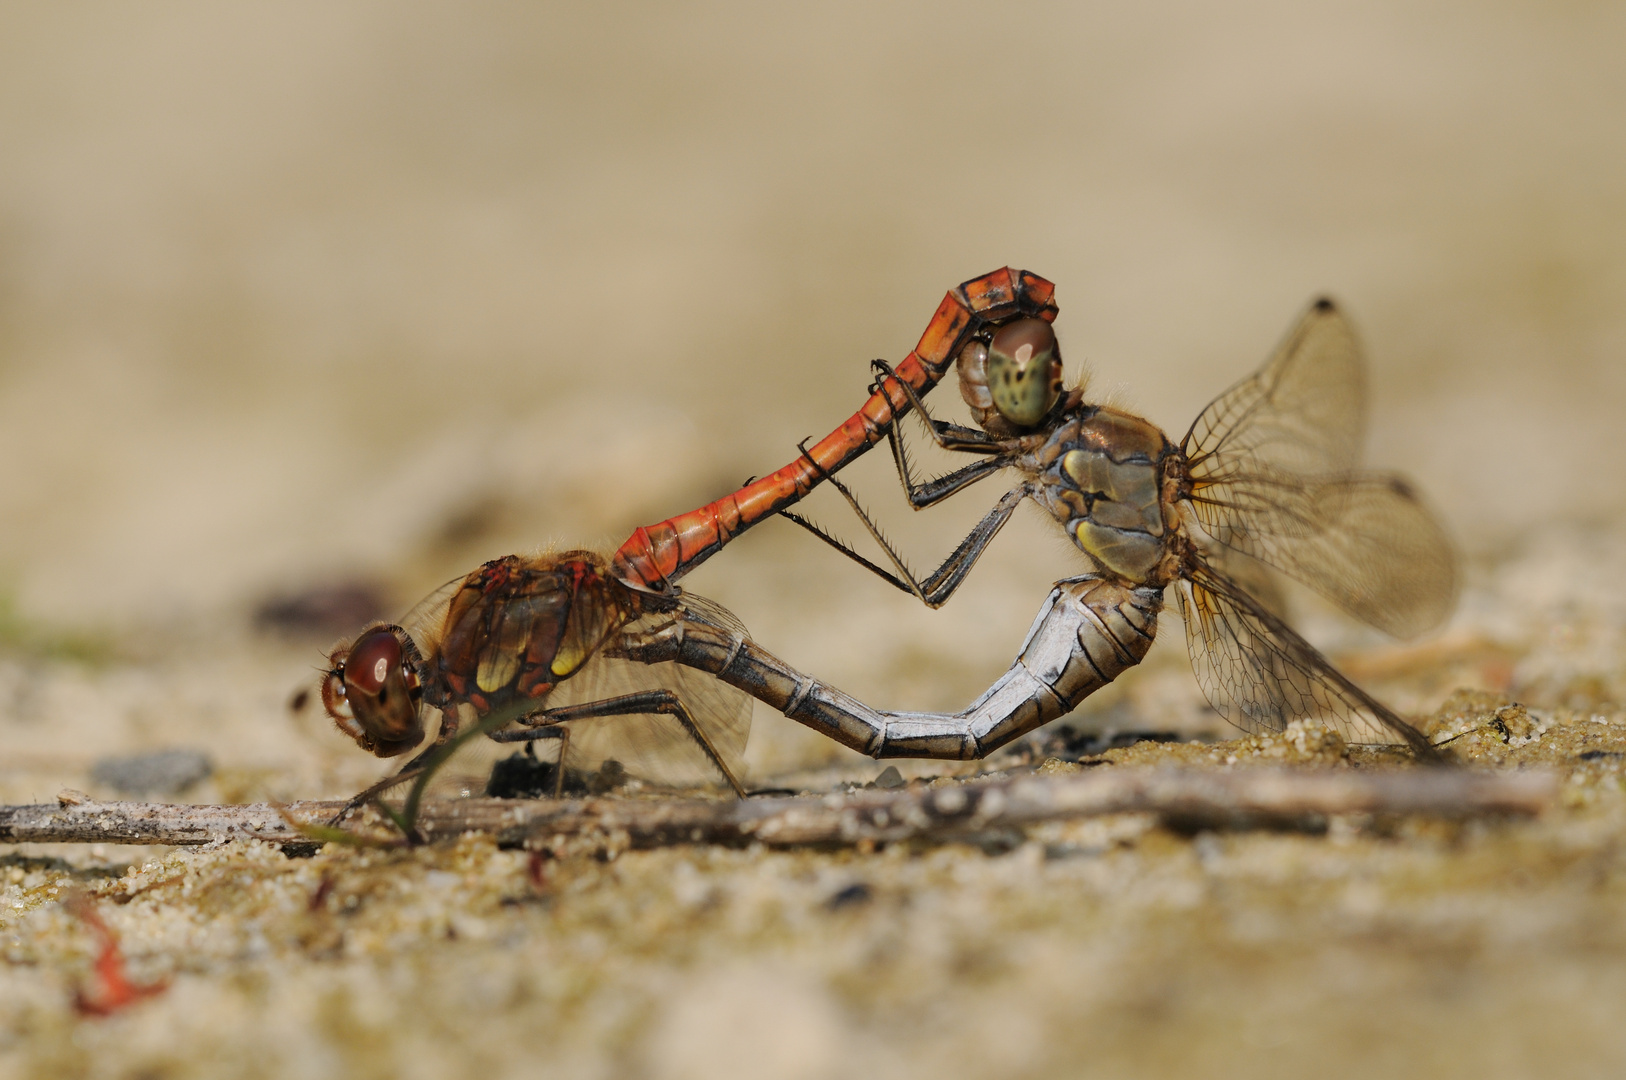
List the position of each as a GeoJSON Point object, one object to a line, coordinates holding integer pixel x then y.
{"type": "Point", "coordinates": [487, 724]}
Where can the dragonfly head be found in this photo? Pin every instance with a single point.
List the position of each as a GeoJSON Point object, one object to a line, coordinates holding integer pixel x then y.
{"type": "Point", "coordinates": [372, 691]}
{"type": "Point", "coordinates": [1013, 380]}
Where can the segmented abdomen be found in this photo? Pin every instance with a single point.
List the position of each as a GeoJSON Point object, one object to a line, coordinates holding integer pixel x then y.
{"type": "Point", "coordinates": [1089, 631]}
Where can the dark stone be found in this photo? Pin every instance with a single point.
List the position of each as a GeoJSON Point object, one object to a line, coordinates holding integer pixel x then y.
{"type": "Point", "coordinates": [161, 772]}
{"type": "Point", "coordinates": [853, 895]}
{"type": "Point", "coordinates": [889, 778]}
{"type": "Point", "coordinates": [520, 776]}
{"type": "Point", "coordinates": [322, 611]}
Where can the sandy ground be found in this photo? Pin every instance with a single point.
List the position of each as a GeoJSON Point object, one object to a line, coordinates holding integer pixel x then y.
{"type": "Point", "coordinates": [360, 296]}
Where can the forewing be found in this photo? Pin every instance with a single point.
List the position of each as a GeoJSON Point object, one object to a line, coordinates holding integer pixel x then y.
{"type": "Point", "coordinates": [1260, 675]}
{"type": "Point", "coordinates": [1302, 414]}
{"type": "Point", "coordinates": [595, 614]}
{"type": "Point", "coordinates": [1272, 462]}
{"type": "Point", "coordinates": [428, 616]}
{"type": "Point", "coordinates": [1367, 543]}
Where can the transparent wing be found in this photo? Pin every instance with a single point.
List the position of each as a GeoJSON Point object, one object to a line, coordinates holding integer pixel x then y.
{"type": "Point", "coordinates": [651, 747]}
{"type": "Point", "coordinates": [466, 772]}
{"type": "Point", "coordinates": [424, 622]}
{"type": "Point", "coordinates": [1272, 465]}
{"type": "Point", "coordinates": [655, 747]}
{"type": "Point", "coordinates": [1249, 575]}
{"type": "Point", "coordinates": [1302, 414]}
{"type": "Point", "coordinates": [699, 609]}
{"type": "Point", "coordinates": [1260, 675]}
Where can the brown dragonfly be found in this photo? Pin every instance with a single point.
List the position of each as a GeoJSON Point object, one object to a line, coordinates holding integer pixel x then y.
{"type": "Point", "coordinates": [534, 644]}
{"type": "Point", "coordinates": [1267, 477]}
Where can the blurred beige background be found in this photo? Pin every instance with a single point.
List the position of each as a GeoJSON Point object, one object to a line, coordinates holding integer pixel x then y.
{"type": "Point", "coordinates": [311, 293]}
{"type": "Point", "coordinates": [296, 296]}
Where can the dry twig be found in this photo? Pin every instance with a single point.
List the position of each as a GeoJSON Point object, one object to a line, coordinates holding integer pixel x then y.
{"type": "Point", "coordinates": [1239, 798]}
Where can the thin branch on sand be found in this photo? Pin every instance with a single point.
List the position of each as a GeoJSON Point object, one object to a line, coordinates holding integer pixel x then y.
{"type": "Point", "coordinates": [1241, 798]}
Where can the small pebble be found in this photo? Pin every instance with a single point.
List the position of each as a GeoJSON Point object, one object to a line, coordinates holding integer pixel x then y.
{"type": "Point", "coordinates": [162, 772]}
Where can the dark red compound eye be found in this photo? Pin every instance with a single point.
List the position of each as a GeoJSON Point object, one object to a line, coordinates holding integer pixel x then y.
{"type": "Point", "coordinates": [373, 657]}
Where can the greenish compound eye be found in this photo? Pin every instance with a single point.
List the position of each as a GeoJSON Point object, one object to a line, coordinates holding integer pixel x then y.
{"type": "Point", "coordinates": [1024, 371]}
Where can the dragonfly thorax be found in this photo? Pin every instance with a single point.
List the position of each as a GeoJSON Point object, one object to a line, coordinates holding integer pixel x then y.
{"type": "Point", "coordinates": [1102, 476]}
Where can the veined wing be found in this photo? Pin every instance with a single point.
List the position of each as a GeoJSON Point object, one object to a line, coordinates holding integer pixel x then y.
{"type": "Point", "coordinates": [650, 746]}
{"type": "Point", "coordinates": [1365, 542]}
{"type": "Point", "coordinates": [1302, 414]}
{"type": "Point", "coordinates": [1260, 675]}
{"type": "Point", "coordinates": [427, 618]}
{"type": "Point", "coordinates": [656, 747]}
{"type": "Point", "coordinates": [1272, 462]}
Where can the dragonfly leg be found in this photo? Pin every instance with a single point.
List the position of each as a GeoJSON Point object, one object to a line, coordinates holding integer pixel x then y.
{"type": "Point", "coordinates": [949, 436]}
{"type": "Point", "coordinates": [941, 584]}
{"type": "Point", "coordinates": [647, 702]}
{"type": "Point", "coordinates": [420, 770]}
{"type": "Point", "coordinates": [371, 793]}
{"type": "Point", "coordinates": [656, 556]}
{"type": "Point", "coordinates": [410, 771]}
{"type": "Point", "coordinates": [559, 765]}
{"type": "Point", "coordinates": [560, 733]}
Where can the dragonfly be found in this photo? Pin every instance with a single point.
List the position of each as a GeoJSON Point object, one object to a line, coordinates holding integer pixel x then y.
{"type": "Point", "coordinates": [526, 648]}
{"type": "Point", "coordinates": [1267, 478]}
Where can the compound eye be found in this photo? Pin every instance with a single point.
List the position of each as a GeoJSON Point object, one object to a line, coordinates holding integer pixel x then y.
{"type": "Point", "coordinates": [973, 369]}
{"type": "Point", "coordinates": [372, 659]}
{"type": "Point", "coordinates": [1024, 371]}
{"type": "Point", "coordinates": [372, 692]}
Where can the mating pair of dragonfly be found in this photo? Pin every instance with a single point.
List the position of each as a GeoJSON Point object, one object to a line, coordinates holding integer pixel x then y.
{"type": "Point", "coordinates": [610, 657]}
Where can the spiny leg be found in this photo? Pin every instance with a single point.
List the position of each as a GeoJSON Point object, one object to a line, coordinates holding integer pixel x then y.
{"type": "Point", "coordinates": [421, 769]}
{"type": "Point", "coordinates": [560, 733]}
{"type": "Point", "coordinates": [644, 703]}
{"type": "Point", "coordinates": [486, 727]}
{"type": "Point", "coordinates": [942, 583]}
{"type": "Point", "coordinates": [949, 436]}
{"type": "Point", "coordinates": [922, 495]}
{"type": "Point", "coordinates": [411, 770]}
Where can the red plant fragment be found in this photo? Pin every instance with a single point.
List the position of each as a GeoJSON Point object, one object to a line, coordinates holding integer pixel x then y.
{"type": "Point", "coordinates": [536, 869]}
{"type": "Point", "coordinates": [111, 989]}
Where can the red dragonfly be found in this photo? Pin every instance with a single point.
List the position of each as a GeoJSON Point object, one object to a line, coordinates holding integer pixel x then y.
{"type": "Point", "coordinates": [1266, 477]}
{"type": "Point", "coordinates": [534, 640]}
